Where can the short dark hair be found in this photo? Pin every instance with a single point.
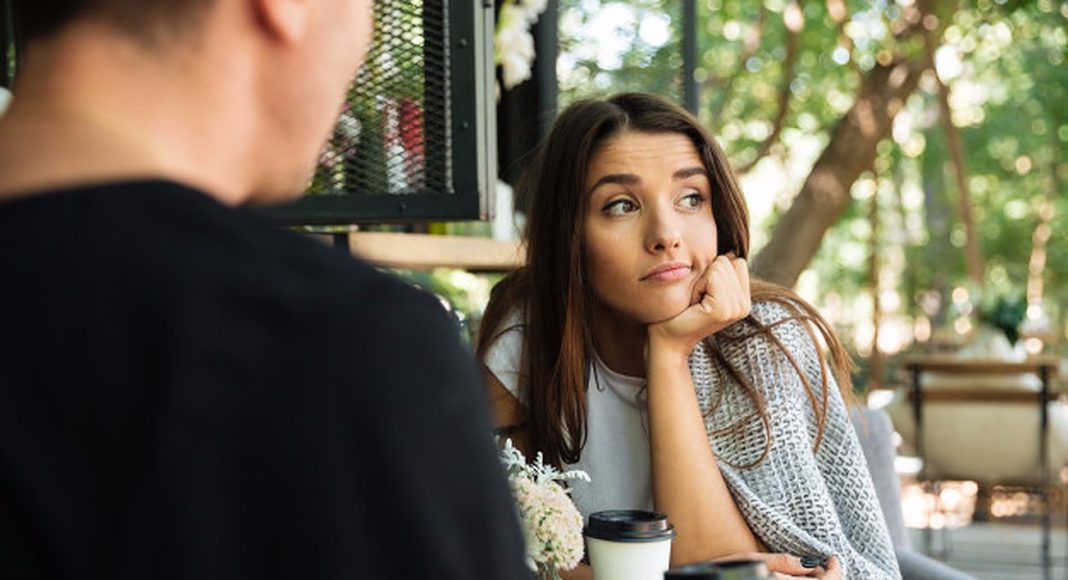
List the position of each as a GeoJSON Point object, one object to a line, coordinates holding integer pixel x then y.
{"type": "Point", "coordinates": [147, 20]}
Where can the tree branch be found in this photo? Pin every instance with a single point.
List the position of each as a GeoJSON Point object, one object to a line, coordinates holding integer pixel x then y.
{"type": "Point", "coordinates": [749, 48]}
{"type": "Point", "coordinates": [972, 253]}
{"type": "Point", "coordinates": [851, 151]}
{"type": "Point", "coordinates": [840, 14]}
{"type": "Point", "coordinates": [794, 20]}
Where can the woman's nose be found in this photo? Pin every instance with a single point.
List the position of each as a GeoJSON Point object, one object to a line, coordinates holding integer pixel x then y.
{"type": "Point", "coordinates": [663, 234]}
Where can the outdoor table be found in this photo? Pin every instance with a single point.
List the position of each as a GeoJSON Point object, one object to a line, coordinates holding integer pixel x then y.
{"type": "Point", "coordinates": [1045, 367]}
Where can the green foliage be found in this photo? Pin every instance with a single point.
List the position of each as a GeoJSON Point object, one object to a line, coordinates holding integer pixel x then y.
{"type": "Point", "coordinates": [1004, 63]}
{"type": "Point", "coordinates": [626, 55]}
{"type": "Point", "coordinates": [464, 293]}
{"type": "Point", "coordinates": [1004, 312]}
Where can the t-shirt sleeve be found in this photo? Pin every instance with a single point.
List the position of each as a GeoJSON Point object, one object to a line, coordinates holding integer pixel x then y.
{"type": "Point", "coordinates": [504, 357]}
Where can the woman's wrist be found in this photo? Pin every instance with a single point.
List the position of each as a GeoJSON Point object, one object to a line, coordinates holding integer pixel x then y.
{"type": "Point", "coordinates": [663, 351]}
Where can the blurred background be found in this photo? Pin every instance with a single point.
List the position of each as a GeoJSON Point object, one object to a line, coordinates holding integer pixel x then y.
{"type": "Point", "coordinates": [904, 163]}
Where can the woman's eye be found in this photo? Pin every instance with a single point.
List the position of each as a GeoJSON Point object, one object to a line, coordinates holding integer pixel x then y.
{"type": "Point", "coordinates": [619, 207]}
{"type": "Point", "coordinates": [693, 200]}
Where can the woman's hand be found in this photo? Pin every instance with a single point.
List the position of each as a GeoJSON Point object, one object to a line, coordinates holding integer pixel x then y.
{"type": "Point", "coordinates": [787, 567]}
{"type": "Point", "coordinates": [721, 298]}
{"type": "Point", "coordinates": [687, 483]}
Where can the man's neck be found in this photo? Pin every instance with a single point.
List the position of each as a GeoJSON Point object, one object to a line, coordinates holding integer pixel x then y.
{"type": "Point", "coordinates": [101, 109]}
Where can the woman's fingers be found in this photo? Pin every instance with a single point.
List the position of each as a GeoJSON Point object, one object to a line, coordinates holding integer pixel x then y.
{"type": "Point", "coordinates": [720, 298]}
{"type": "Point", "coordinates": [784, 565]}
{"type": "Point", "coordinates": [741, 270]}
{"type": "Point", "coordinates": [834, 570]}
{"type": "Point", "coordinates": [726, 296]}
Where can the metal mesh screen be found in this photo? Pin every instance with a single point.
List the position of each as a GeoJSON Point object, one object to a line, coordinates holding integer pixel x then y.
{"type": "Point", "coordinates": [392, 136]}
{"type": "Point", "coordinates": [7, 44]}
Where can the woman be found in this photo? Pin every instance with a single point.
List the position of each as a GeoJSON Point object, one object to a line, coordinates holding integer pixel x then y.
{"type": "Point", "coordinates": [635, 346]}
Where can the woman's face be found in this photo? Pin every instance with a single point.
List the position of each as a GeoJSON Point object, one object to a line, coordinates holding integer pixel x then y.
{"type": "Point", "coordinates": [649, 229]}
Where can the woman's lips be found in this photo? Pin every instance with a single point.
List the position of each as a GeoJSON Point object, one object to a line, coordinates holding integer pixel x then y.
{"type": "Point", "coordinates": [667, 273]}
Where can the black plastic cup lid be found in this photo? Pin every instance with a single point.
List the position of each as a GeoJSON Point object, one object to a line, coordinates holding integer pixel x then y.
{"type": "Point", "coordinates": [743, 570]}
{"type": "Point", "coordinates": [628, 526]}
{"type": "Point", "coordinates": [700, 571]}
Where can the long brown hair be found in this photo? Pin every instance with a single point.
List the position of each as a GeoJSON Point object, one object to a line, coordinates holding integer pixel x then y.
{"type": "Point", "coordinates": [552, 291]}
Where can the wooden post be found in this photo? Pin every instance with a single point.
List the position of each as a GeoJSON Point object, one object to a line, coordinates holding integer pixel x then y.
{"type": "Point", "coordinates": [878, 364]}
{"type": "Point", "coordinates": [973, 255]}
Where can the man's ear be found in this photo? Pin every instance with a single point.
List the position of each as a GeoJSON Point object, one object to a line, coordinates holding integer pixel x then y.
{"type": "Point", "coordinates": [285, 20]}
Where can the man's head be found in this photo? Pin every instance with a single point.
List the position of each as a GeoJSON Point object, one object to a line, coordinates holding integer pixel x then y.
{"type": "Point", "coordinates": [146, 20]}
{"type": "Point", "coordinates": [239, 94]}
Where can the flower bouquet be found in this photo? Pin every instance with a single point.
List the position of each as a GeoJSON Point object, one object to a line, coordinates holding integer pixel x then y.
{"type": "Point", "coordinates": [514, 44]}
{"type": "Point", "coordinates": [551, 523]}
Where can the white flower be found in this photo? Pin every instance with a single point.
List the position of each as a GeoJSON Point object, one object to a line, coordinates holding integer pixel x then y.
{"type": "Point", "coordinates": [552, 526]}
{"type": "Point", "coordinates": [514, 43]}
{"type": "Point", "coordinates": [534, 8]}
{"type": "Point", "coordinates": [515, 46]}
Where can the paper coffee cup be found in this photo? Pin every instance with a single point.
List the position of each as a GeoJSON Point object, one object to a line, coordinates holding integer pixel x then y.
{"type": "Point", "coordinates": [629, 544]}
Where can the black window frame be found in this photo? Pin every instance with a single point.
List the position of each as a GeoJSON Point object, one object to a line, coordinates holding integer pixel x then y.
{"type": "Point", "coordinates": [472, 137]}
{"type": "Point", "coordinates": [9, 47]}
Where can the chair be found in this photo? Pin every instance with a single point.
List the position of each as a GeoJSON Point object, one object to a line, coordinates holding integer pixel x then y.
{"type": "Point", "coordinates": [876, 439]}
{"type": "Point", "coordinates": [988, 421]}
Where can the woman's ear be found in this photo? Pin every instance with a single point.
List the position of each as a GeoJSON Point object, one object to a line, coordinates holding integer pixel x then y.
{"type": "Point", "coordinates": [285, 20]}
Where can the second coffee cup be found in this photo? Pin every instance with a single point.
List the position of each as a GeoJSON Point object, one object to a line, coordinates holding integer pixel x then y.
{"type": "Point", "coordinates": [629, 544]}
{"type": "Point", "coordinates": [733, 570]}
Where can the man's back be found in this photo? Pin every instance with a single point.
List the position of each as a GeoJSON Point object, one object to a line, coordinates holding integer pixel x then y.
{"type": "Point", "coordinates": [187, 392]}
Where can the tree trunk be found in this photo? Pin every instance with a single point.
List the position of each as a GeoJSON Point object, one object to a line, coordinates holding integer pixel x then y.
{"type": "Point", "coordinates": [1036, 265]}
{"type": "Point", "coordinates": [850, 152]}
{"type": "Point", "coordinates": [973, 254]}
{"type": "Point", "coordinates": [876, 360]}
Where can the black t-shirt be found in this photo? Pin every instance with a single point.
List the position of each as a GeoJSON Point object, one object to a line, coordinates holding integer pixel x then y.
{"type": "Point", "coordinates": [187, 391]}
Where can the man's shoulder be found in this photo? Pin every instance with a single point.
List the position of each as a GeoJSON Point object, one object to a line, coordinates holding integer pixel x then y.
{"type": "Point", "coordinates": [180, 246]}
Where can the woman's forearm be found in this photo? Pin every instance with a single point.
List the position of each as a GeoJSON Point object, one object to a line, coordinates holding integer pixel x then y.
{"type": "Point", "coordinates": [687, 483]}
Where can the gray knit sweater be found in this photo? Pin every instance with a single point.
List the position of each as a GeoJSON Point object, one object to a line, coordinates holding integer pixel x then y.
{"type": "Point", "coordinates": [796, 501]}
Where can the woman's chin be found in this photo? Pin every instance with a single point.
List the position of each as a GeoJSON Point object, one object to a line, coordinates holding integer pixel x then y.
{"type": "Point", "coordinates": [666, 311]}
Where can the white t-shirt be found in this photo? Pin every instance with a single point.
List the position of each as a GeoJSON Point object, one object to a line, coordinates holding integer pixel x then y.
{"type": "Point", "coordinates": [616, 455]}
{"type": "Point", "coordinates": [799, 499]}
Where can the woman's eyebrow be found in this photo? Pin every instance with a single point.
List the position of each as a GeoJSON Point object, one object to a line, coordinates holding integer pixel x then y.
{"type": "Point", "coordinates": [621, 178]}
{"type": "Point", "coordinates": [631, 179]}
{"type": "Point", "coordinates": [689, 172]}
